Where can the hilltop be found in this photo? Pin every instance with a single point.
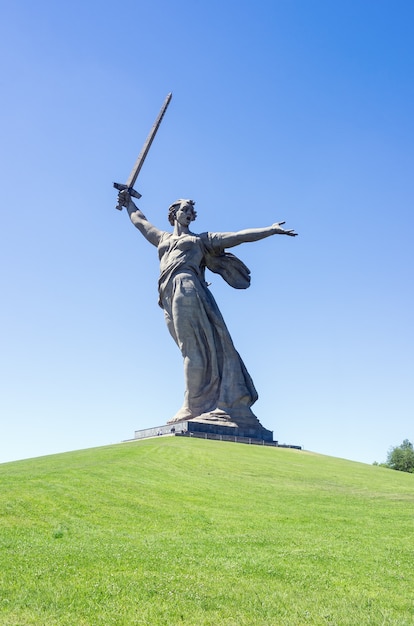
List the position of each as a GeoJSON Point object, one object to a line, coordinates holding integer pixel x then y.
{"type": "Point", "coordinates": [179, 531]}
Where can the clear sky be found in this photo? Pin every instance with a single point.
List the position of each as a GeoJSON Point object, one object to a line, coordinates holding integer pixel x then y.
{"type": "Point", "coordinates": [296, 110]}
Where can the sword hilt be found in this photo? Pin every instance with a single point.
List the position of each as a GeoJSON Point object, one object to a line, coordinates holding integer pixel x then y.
{"type": "Point", "coordinates": [131, 191]}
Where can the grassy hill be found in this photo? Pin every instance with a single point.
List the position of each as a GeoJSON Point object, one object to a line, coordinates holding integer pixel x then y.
{"type": "Point", "coordinates": [184, 531]}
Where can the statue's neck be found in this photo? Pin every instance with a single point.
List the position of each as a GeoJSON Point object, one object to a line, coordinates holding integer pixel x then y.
{"type": "Point", "coordinates": [179, 230]}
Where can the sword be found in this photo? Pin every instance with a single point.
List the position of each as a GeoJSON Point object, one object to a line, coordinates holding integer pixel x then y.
{"type": "Point", "coordinates": [142, 156]}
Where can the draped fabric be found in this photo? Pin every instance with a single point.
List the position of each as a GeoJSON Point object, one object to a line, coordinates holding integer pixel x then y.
{"type": "Point", "coordinates": [215, 375]}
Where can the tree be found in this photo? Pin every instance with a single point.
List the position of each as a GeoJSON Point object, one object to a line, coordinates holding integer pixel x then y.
{"type": "Point", "coordinates": [401, 457]}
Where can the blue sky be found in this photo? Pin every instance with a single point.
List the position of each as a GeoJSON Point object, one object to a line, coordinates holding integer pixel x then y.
{"type": "Point", "coordinates": [293, 110]}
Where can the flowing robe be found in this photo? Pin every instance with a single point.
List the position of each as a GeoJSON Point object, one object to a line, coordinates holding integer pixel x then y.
{"type": "Point", "coordinates": [215, 375]}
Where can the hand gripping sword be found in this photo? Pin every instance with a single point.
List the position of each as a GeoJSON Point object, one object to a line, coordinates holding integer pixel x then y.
{"type": "Point", "coordinates": [142, 156]}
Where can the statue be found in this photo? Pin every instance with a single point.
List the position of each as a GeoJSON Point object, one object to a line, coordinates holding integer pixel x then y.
{"type": "Point", "coordinates": [218, 387]}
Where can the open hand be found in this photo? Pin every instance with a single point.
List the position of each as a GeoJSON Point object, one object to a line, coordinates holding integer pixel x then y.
{"type": "Point", "coordinates": [281, 231]}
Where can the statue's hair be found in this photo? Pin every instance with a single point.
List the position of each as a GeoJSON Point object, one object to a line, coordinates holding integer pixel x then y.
{"type": "Point", "coordinates": [172, 210]}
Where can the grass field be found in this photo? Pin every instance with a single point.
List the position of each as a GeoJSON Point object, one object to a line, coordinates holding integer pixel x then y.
{"type": "Point", "coordinates": [184, 531]}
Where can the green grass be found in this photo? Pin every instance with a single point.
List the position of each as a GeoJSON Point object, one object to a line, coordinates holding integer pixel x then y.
{"type": "Point", "coordinates": [184, 531]}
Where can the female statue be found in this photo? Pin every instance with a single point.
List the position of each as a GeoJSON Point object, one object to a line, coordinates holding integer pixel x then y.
{"type": "Point", "coordinates": [217, 384]}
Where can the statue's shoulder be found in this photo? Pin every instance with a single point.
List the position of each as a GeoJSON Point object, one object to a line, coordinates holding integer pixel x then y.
{"type": "Point", "coordinates": [164, 235]}
{"type": "Point", "coordinates": [211, 240]}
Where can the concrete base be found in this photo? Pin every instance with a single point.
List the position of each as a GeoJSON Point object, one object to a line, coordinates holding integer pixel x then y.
{"type": "Point", "coordinates": [208, 431]}
{"type": "Point", "coordinates": [198, 428]}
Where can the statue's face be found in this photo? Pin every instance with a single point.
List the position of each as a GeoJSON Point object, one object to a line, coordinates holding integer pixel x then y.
{"type": "Point", "coordinates": [185, 214]}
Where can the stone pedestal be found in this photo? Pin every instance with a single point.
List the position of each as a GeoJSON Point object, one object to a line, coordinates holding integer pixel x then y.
{"type": "Point", "coordinates": [228, 429]}
{"type": "Point", "coordinates": [220, 423]}
{"type": "Point", "coordinates": [213, 428]}
{"type": "Point", "coordinates": [240, 422]}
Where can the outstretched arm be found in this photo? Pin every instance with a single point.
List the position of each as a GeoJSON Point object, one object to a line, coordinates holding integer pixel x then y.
{"type": "Point", "coordinates": [150, 232]}
{"type": "Point", "coordinates": [229, 240]}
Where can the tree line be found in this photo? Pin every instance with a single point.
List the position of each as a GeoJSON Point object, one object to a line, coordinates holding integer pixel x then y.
{"type": "Point", "coordinates": [400, 458]}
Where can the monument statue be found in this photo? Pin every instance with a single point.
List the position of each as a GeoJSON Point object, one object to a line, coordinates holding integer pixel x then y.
{"type": "Point", "coordinates": [217, 384]}
{"type": "Point", "coordinates": [218, 387]}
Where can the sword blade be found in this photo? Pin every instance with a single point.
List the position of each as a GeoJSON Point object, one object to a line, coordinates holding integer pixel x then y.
{"type": "Point", "coordinates": [143, 154]}
{"type": "Point", "coordinates": [147, 145]}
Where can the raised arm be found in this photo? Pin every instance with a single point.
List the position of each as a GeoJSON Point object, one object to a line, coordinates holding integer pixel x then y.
{"type": "Point", "coordinates": [229, 240]}
{"type": "Point", "coordinates": [150, 232]}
